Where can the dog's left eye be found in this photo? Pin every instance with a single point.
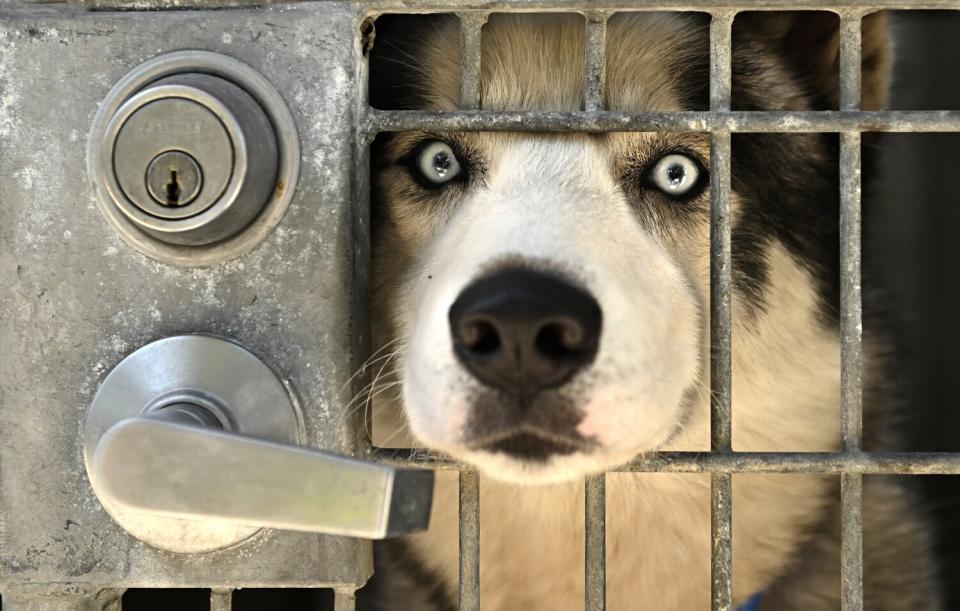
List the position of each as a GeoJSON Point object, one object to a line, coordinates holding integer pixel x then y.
{"type": "Point", "coordinates": [676, 175]}
{"type": "Point", "coordinates": [437, 163]}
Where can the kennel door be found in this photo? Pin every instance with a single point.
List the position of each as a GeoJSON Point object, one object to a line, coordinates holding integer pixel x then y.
{"type": "Point", "coordinates": [85, 288]}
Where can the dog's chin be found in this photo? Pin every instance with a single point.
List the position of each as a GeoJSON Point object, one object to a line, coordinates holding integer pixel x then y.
{"type": "Point", "coordinates": [540, 466]}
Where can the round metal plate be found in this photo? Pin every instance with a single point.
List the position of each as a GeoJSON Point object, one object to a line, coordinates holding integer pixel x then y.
{"type": "Point", "coordinates": [278, 198]}
{"type": "Point", "coordinates": [243, 393]}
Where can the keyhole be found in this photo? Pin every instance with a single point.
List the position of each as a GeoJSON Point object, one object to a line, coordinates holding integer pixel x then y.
{"type": "Point", "coordinates": [173, 189]}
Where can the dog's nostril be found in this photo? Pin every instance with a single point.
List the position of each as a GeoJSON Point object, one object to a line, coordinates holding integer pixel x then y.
{"type": "Point", "coordinates": [479, 337]}
{"type": "Point", "coordinates": [561, 339]}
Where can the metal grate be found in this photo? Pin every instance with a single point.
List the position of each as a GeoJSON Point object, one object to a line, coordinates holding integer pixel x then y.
{"type": "Point", "coordinates": [852, 463]}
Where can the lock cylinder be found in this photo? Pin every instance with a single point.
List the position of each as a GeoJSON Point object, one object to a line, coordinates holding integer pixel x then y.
{"type": "Point", "coordinates": [188, 151]}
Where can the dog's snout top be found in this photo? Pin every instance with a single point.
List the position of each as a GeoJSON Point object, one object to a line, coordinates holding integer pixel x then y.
{"type": "Point", "coordinates": [522, 331]}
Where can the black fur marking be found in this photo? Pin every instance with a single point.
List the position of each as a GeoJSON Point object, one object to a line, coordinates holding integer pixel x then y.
{"type": "Point", "coordinates": [399, 576]}
{"type": "Point", "coordinates": [532, 447]}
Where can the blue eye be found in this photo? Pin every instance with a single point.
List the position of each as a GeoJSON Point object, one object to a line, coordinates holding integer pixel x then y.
{"type": "Point", "coordinates": [675, 175]}
{"type": "Point", "coordinates": [437, 163]}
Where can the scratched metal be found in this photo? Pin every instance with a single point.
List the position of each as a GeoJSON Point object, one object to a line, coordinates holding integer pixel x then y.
{"type": "Point", "coordinates": [76, 299]}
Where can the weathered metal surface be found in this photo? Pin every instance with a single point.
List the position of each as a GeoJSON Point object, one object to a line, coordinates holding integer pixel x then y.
{"type": "Point", "coordinates": [529, 5]}
{"type": "Point", "coordinates": [595, 552]}
{"type": "Point", "coordinates": [851, 323]}
{"type": "Point", "coordinates": [686, 121]}
{"type": "Point", "coordinates": [76, 298]}
{"type": "Point", "coordinates": [721, 427]}
{"type": "Point", "coordinates": [469, 541]}
{"type": "Point", "coordinates": [826, 463]}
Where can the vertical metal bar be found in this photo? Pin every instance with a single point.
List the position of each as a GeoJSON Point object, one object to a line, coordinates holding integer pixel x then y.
{"type": "Point", "coordinates": [721, 537]}
{"type": "Point", "coordinates": [721, 496]}
{"type": "Point", "coordinates": [595, 70]}
{"type": "Point", "coordinates": [221, 599]}
{"type": "Point", "coordinates": [850, 74]}
{"type": "Point", "coordinates": [720, 51]}
{"type": "Point", "coordinates": [344, 600]}
{"type": "Point", "coordinates": [469, 541]}
{"type": "Point", "coordinates": [360, 426]}
{"type": "Point", "coordinates": [471, 29]}
{"type": "Point", "coordinates": [851, 327]}
{"type": "Point", "coordinates": [595, 492]}
{"type": "Point", "coordinates": [595, 527]}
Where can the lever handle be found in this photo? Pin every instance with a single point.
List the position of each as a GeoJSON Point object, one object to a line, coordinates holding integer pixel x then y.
{"type": "Point", "coordinates": [149, 465]}
{"type": "Point", "coordinates": [191, 444]}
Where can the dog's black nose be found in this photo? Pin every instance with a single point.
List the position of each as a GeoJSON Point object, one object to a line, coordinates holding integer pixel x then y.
{"type": "Point", "coordinates": [522, 331]}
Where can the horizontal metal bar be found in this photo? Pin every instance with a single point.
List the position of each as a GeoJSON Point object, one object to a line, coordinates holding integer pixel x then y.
{"type": "Point", "coordinates": [689, 121]}
{"type": "Point", "coordinates": [827, 463]}
{"type": "Point", "coordinates": [651, 5]}
{"type": "Point", "coordinates": [423, 6]}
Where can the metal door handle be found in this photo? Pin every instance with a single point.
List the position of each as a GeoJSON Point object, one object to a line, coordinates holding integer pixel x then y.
{"type": "Point", "coordinates": [187, 470]}
{"type": "Point", "coordinates": [191, 445]}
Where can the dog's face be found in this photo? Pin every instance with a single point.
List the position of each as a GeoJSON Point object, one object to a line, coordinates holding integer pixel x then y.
{"type": "Point", "coordinates": [550, 293]}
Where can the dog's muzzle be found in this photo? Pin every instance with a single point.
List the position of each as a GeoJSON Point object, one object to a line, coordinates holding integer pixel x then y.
{"type": "Point", "coordinates": [520, 333]}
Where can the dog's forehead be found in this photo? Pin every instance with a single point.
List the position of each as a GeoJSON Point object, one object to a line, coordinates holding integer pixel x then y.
{"type": "Point", "coordinates": [655, 62]}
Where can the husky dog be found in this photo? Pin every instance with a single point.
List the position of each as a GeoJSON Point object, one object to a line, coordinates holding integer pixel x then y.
{"type": "Point", "coordinates": [543, 303]}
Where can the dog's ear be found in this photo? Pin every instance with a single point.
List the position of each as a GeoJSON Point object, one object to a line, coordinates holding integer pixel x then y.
{"type": "Point", "coordinates": [809, 44]}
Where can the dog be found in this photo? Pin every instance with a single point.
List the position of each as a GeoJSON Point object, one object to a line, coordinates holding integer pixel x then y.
{"type": "Point", "coordinates": [541, 313]}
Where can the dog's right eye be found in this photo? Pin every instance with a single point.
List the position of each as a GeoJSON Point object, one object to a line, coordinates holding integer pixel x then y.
{"type": "Point", "coordinates": [437, 163]}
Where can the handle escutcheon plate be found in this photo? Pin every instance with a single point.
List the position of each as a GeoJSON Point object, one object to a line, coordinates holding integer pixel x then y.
{"type": "Point", "coordinates": [190, 445]}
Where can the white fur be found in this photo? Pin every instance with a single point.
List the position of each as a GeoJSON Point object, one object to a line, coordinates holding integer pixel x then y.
{"type": "Point", "coordinates": [551, 203]}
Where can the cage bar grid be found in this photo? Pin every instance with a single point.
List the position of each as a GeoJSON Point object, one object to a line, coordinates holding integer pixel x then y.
{"type": "Point", "coordinates": [720, 122]}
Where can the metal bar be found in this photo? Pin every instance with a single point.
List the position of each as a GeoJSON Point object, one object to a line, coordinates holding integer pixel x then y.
{"type": "Point", "coordinates": [595, 488]}
{"type": "Point", "coordinates": [721, 545]}
{"type": "Point", "coordinates": [685, 121]}
{"type": "Point", "coordinates": [344, 600]}
{"type": "Point", "coordinates": [359, 426]}
{"type": "Point", "coordinates": [721, 495]}
{"type": "Point", "coordinates": [822, 463]}
{"type": "Point", "coordinates": [420, 6]}
{"type": "Point", "coordinates": [851, 542]}
{"type": "Point", "coordinates": [720, 65]}
{"type": "Point", "coordinates": [595, 70]}
{"type": "Point", "coordinates": [469, 541]}
{"type": "Point", "coordinates": [595, 529]}
{"type": "Point", "coordinates": [221, 599]}
{"type": "Point", "coordinates": [471, 29]}
{"type": "Point", "coordinates": [851, 327]}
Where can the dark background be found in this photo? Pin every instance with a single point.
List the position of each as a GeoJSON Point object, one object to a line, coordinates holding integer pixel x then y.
{"type": "Point", "coordinates": [912, 236]}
